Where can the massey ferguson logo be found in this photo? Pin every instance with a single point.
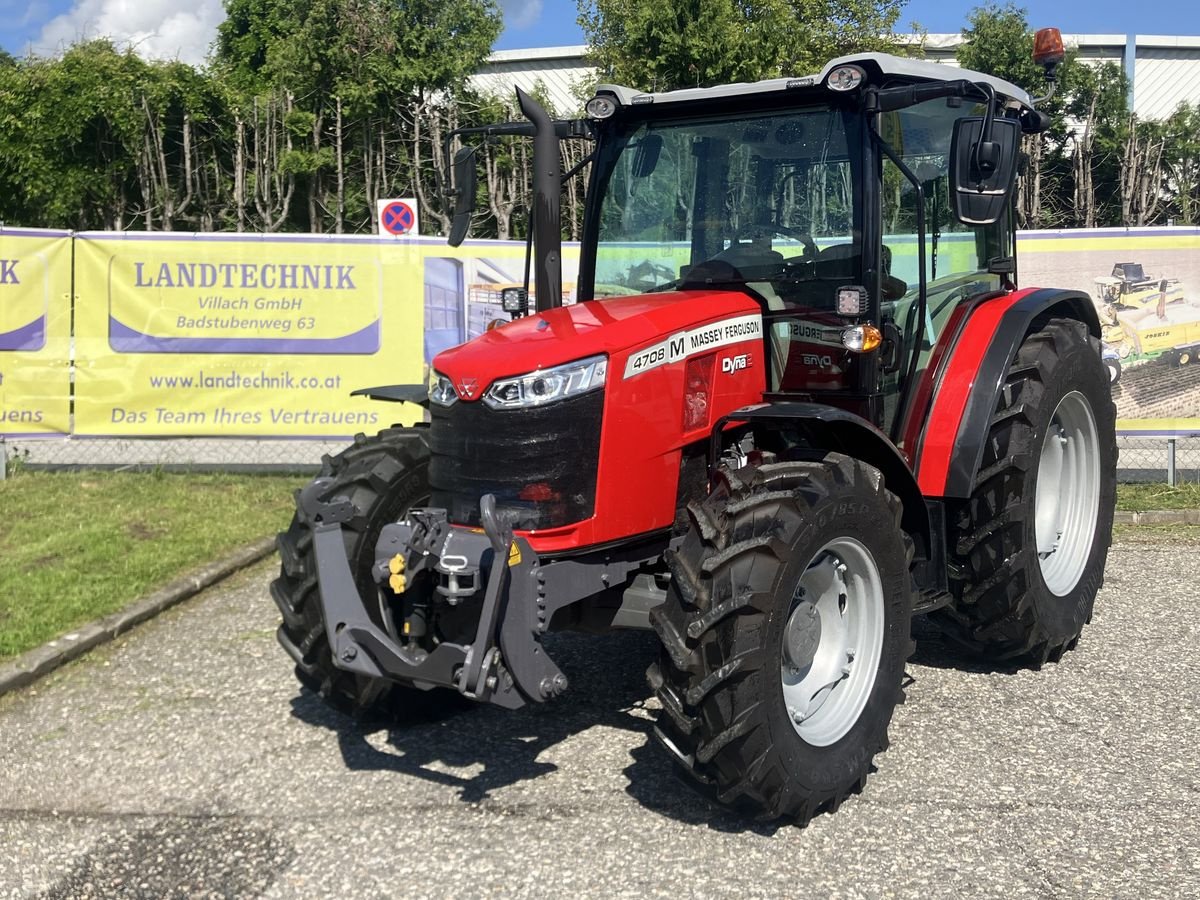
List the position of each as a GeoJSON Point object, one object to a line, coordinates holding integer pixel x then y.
{"type": "Point", "coordinates": [731, 364]}
{"type": "Point", "coordinates": [467, 387]}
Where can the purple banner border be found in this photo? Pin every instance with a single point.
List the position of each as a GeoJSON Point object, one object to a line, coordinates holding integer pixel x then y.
{"type": "Point", "coordinates": [26, 339]}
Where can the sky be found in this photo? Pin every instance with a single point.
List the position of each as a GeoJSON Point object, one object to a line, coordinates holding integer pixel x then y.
{"type": "Point", "coordinates": [167, 29]}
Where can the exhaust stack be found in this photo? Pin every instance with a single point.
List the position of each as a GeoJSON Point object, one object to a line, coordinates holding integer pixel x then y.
{"type": "Point", "coordinates": [547, 217]}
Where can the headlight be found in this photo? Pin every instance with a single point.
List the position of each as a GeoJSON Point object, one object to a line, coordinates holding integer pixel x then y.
{"type": "Point", "coordinates": [441, 390]}
{"type": "Point", "coordinates": [600, 107]}
{"type": "Point", "coordinates": [547, 385]}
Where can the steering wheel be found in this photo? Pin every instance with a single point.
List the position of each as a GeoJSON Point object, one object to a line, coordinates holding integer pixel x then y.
{"type": "Point", "coordinates": [754, 229]}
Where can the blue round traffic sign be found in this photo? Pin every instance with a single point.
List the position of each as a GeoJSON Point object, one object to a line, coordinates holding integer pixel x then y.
{"type": "Point", "coordinates": [398, 217]}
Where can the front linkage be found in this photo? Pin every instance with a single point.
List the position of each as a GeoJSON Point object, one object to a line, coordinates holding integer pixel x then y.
{"type": "Point", "coordinates": [505, 662]}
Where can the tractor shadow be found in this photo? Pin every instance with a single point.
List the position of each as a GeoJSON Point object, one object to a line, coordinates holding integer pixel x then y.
{"type": "Point", "coordinates": [476, 750]}
{"type": "Point", "coordinates": [936, 651]}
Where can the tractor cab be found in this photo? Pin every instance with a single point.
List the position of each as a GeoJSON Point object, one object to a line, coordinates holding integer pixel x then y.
{"type": "Point", "coordinates": [834, 201]}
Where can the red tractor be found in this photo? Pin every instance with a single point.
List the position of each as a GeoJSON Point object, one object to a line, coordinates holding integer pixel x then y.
{"type": "Point", "coordinates": [801, 399]}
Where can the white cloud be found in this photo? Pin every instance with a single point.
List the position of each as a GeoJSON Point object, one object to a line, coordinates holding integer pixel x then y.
{"type": "Point", "coordinates": [157, 29]}
{"type": "Point", "coordinates": [521, 13]}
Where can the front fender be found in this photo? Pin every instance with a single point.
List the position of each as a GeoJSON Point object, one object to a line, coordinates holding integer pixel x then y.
{"type": "Point", "coordinates": [830, 428]}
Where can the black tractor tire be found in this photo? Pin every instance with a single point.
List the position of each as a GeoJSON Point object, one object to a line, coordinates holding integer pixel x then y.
{"type": "Point", "coordinates": [1002, 608]}
{"type": "Point", "coordinates": [382, 476]}
{"type": "Point", "coordinates": [734, 584]}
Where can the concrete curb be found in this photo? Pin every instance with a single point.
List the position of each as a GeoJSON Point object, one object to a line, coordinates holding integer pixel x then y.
{"type": "Point", "coordinates": [32, 665]}
{"type": "Point", "coordinates": [1158, 517]}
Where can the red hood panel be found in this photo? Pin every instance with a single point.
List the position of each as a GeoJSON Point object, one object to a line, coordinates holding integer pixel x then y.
{"type": "Point", "coordinates": [562, 335]}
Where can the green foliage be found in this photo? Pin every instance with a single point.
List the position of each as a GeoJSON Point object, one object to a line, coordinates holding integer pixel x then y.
{"type": "Point", "coordinates": [668, 44]}
{"type": "Point", "coordinates": [1182, 153]}
{"type": "Point", "coordinates": [1000, 43]}
{"type": "Point", "coordinates": [313, 109]}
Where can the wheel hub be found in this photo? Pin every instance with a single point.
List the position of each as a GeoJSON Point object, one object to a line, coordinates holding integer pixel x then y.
{"type": "Point", "coordinates": [832, 641]}
{"type": "Point", "coordinates": [1067, 498]}
{"type": "Point", "coordinates": [802, 637]}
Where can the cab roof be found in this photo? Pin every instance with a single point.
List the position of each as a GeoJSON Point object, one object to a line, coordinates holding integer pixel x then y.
{"type": "Point", "coordinates": [877, 64]}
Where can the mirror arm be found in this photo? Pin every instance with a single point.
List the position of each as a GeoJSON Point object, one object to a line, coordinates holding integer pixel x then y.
{"type": "Point", "coordinates": [892, 99]}
{"type": "Point", "coordinates": [985, 137]}
{"type": "Point", "coordinates": [1051, 84]}
{"type": "Point", "coordinates": [574, 170]}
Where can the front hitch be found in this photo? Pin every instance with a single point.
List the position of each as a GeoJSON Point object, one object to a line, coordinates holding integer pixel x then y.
{"type": "Point", "coordinates": [504, 664]}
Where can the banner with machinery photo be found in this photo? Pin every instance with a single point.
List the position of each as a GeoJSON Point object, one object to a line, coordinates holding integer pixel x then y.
{"type": "Point", "coordinates": [1145, 283]}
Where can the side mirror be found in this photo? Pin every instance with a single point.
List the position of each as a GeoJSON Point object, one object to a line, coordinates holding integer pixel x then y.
{"type": "Point", "coordinates": [983, 168]}
{"type": "Point", "coordinates": [645, 157]}
{"type": "Point", "coordinates": [464, 176]}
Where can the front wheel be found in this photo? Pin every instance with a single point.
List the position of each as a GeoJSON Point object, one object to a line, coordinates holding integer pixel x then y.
{"type": "Point", "coordinates": [383, 476]}
{"type": "Point", "coordinates": [785, 633]}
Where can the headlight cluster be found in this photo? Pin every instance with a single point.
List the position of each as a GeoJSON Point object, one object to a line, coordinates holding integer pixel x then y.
{"type": "Point", "coordinates": [547, 385]}
{"type": "Point", "coordinates": [441, 390]}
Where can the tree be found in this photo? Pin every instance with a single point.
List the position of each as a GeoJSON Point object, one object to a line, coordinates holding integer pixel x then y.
{"type": "Point", "coordinates": [1096, 122]}
{"type": "Point", "coordinates": [1142, 193]}
{"type": "Point", "coordinates": [667, 44]}
{"type": "Point", "coordinates": [1182, 163]}
{"type": "Point", "coordinates": [70, 133]}
{"type": "Point", "coordinates": [361, 78]}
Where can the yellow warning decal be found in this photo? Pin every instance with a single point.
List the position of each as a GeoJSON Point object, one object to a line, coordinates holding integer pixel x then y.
{"type": "Point", "coordinates": [514, 555]}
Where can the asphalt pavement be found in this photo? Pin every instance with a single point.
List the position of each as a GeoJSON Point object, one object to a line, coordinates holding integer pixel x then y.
{"type": "Point", "coordinates": [183, 761]}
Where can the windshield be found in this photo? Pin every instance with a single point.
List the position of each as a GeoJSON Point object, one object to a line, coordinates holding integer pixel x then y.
{"type": "Point", "coordinates": [764, 199]}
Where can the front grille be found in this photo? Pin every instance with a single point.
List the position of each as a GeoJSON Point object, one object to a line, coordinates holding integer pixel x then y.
{"type": "Point", "coordinates": [540, 463]}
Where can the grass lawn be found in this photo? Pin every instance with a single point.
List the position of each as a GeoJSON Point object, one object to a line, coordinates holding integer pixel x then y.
{"type": "Point", "coordinates": [1139, 497]}
{"type": "Point", "coordinates": [74, 546]}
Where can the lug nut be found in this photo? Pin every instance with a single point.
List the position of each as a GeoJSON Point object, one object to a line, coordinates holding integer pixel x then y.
{"type": "Point", "coordinates": [349, 653]}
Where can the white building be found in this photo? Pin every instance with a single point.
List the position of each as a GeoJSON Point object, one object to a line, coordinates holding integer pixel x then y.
{"type": "Point", "coordinates": [1163, 70]}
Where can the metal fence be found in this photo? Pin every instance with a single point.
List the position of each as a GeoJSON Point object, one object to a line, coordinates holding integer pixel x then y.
{"type": "Point", "coordinates": [173, 454]}
{"type": "Point", "coordinates": [1169, 460]}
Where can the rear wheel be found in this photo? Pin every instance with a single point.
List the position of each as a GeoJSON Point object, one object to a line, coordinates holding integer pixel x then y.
{"type": "Point", "coordinates": [1029, 547]}
{"type": "Point", "coordinates": [383, 477]}
{"type": "Point", "coordinates": [785, 633]}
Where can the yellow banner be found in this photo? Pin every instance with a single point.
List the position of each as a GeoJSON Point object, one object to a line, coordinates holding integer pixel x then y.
{"type": "Point", "coordinates": [266, 336]}
{"type": "Point", "coordinates": [233, 335]}
{"type": "Point", "coordinates": [180, 334]}
{"type": "Point", "coordinates": [35, 332]}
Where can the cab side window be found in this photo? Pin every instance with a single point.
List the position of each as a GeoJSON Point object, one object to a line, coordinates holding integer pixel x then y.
{"type": "Point", "coordinates": [957, 256]}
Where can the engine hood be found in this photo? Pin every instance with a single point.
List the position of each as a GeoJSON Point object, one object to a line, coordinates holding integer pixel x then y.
{"type": "Point", "coordinates": [609, 326]}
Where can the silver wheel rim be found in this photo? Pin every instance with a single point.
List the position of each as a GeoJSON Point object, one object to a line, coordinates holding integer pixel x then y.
{"type": "Point", "coordinates": [833, 641]}
{"type": "Point", "coordinates": [1068, 494]}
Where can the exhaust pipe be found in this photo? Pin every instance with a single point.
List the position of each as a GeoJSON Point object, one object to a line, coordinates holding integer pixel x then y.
{"type": "Point", "coordinates": [547, 216]}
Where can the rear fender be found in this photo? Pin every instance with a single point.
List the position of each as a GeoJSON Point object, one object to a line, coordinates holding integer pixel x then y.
{"type": "Point", "coordinates": [970, 377]}
{"type": "Point", "coordinates": [829, 428]}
